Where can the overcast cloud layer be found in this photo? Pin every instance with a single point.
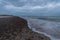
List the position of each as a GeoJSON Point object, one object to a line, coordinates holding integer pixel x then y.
{"type": "Point", "coordinates": [30, 7]}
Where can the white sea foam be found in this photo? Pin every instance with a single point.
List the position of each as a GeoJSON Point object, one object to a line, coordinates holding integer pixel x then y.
{"type": "Point", "coordinates": [48, 28]}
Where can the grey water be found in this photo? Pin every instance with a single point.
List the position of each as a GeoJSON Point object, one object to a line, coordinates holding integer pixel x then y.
{"type": "Point", "coordinates": [49, 28]}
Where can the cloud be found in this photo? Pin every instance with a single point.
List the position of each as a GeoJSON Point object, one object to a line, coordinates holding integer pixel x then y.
{"type": "Point", "coordinates": [33, 7]}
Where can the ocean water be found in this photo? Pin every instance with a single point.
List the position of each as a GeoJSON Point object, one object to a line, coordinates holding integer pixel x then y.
{"type": "Point", "coordinates": [48, 28]}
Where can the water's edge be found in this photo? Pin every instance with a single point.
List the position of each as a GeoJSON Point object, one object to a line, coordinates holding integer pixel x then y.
{"type": "Point", "coordinates": [48, 27]}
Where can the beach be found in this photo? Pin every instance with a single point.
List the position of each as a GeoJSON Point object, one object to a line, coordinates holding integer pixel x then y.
{"type": "Point", "coordinates": [17, 28]}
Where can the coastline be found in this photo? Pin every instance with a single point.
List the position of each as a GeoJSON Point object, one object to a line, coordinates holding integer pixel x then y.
{"type": "Point", "coordinates": [16, 28]}
{"type": "Point", "coordinates": [44, 27]}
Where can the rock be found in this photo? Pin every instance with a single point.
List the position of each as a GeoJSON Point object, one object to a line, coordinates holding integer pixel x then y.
{"type": "Point", "coordinates": [16, 28]}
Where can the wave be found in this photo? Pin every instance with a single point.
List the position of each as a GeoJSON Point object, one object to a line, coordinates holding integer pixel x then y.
{"type": "Point", "coordinates": [50, 29]}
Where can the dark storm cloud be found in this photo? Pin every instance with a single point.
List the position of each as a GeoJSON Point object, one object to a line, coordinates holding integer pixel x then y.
{"type": "Point", "coordinates": [39, 7]}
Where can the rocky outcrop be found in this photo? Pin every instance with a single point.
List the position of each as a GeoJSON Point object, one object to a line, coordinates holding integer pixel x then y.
{"type": "Point", "coordinates": [15, 28]}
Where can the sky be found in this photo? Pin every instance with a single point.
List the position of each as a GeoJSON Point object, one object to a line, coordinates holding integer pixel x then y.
{"type": "Point", "coordinates": [30, 7]}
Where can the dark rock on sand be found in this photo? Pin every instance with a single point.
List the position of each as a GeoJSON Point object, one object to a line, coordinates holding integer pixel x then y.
{"type": "Point", "coordinates": [15, 28]}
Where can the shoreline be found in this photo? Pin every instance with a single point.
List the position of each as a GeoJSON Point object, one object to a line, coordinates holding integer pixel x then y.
{"type": "Point", "coordinates": [34, 22]}
{"type": "Point", "coordinates": [16, 28]}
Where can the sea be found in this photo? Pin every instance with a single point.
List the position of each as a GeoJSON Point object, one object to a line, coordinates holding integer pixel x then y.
{"type": "Point", "coordinates": [48, 26]}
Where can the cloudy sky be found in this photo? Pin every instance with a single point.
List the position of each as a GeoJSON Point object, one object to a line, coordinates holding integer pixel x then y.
{"type": "Point", "coordinates": [30, 7]}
